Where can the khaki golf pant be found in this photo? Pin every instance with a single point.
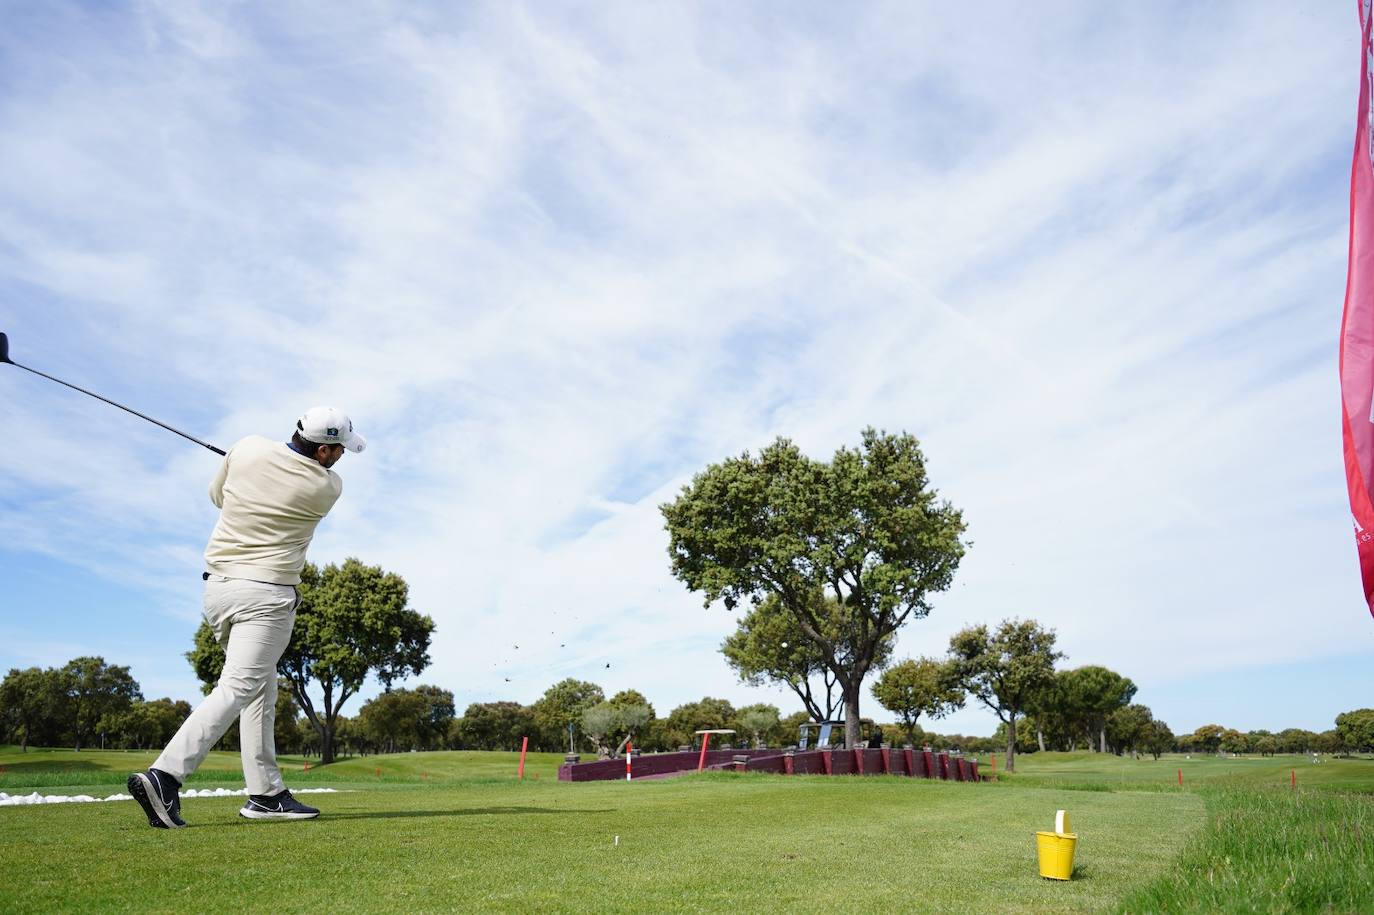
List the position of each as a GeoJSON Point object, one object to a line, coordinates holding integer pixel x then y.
{"type": "Point", "coordinates": [252, 620]}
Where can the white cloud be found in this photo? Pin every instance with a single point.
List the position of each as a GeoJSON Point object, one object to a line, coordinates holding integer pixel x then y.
{"type": "Point", "coordinates": [555, 264]}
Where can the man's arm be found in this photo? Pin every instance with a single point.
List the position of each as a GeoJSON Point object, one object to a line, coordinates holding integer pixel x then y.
{"type": "Point", "coordinates": [217, 484]}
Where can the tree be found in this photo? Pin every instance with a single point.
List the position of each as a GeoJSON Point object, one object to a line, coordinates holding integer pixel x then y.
{"type": "Point", "coordinates": [562, 705]}
{"type": "Point", "coordinates": [1004, 670]}
{"type": "Point", "coordinates": [352, 621]}
{"type": "Point", "coordinates": [600, 723]}
{"type": "Point", "coordinates": [1356, 729]}
{"type": "Point", "coordinates": [866, 529]}
{"type": "Point", "coordinates": [1158, 739]}
{"type": "Point", "coordinates": [32, 704]}
{"type": "Point", "coordinates": [147, 724]}
{"type": "Point", "coordinates": [436, 716]}
{"type": "Point", "coordinates": [492, 726]}
{"type": "Point", "coordinates": [1208, 737]}
{"type": "Point", "coordinates": [706, 714]}
{"type": "Point", "coordinates": [911, 689]}
{"type": "Point", "coordinates": [96, 690]}
{"type": "Point", "coordinates": [392, 719]}
{"type": "Point", "coordinates": [1126, 728]}
{"type": "Point", "coordinates": [1095, 692]}
{"type": "Point", "coordinates": [757, 721]}
{"type": "Point", "coordinates": [770, 646]}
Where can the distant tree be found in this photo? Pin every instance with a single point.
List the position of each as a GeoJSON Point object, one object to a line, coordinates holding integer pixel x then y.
{"type": "Point", "coordinates": [436, 715]}
{"type": "Point", "coordinates": [96, 690]}
{"type": "Point", "coordinates": [33, 704]}
{"type": "Point", "coordinates": [866, 528]}
{"type": "Point", "coordinates": [146, 724]}
{"type": "Point", "coordinates": [1126, 728]}
{"type": "Point", "coordinates": [757, 721]}
{"type": "Point", "coordinates": [1005, 670]}
{"type": "Point", "coordinates": [1356, 729]}
{"type": "Point", "coordinates": [1208, 738]}
{"type": "Point", "coordinates": [1233, 741]}
{"type": "Point", "coordinates": [1097, 692]}
{"type": "Point", "coordinates": [788, 730]}
{"type": "Point", "coordinates": [685, 720]}
{"type": "Point", "coordinates": [285, 723]}
{"type": "Point", "coordinates": [1158, 739]}
{"type": "Point", "coordinates": [562, 705]}
{"type": "Point", "coordinates": [391, 721]}
{"type": "Point", "coordinates": [1266, 745]}
{"type": "Point", "coordinates": [1296, 740]}
{"type": "Point", "coordinates": [493, 726]}
{"type": "Point", "coordinates": [913, 688]}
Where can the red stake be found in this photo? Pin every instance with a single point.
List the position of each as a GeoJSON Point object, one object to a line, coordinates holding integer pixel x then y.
{"type": "Point", "coordinates": [1293, 775]}
{"type": "Point", "coordinates": [705, 740]}
{"type": "Point", "coordinates": [1180, 778]}
{"type": "Point", "coordinates": [378, 770]}
{"type": "Point", "coordinates": [524, 745]}
{"type": "Point", "coordinates": [629, 754]}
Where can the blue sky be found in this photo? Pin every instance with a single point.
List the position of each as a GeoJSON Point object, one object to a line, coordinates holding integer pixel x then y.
{"type": "Point", "coordinates": [555, 259]}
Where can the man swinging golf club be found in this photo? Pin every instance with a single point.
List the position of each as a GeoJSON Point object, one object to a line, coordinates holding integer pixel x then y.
{"type": "Point", "coordinates": [271, 496]}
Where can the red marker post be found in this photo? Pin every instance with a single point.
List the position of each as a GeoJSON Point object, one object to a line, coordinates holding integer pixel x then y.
{"type": "Point", "coordinates": [1293, 776]}
{"type": "Point", "coordinates": [629, 755]}
{"type": "Point", "coordinates": [705, 741]}
{"type": "Point", "coordinates": [1180, 778]}
{"type": "Point", "coordinates": [524, 745]}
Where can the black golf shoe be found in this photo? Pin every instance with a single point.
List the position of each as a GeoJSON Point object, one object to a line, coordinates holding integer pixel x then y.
{"type": "Point", "coordinates": [276, 807]}
{"type": "Point", "coordinates": [156, 793]}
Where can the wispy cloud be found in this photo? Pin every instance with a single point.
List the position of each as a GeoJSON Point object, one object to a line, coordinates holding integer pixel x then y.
{"type": "Point", "coordinates": [554, 262]}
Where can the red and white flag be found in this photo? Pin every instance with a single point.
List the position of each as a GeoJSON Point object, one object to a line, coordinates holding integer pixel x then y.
{"type": "Point", "coordinates": [1357, 326]}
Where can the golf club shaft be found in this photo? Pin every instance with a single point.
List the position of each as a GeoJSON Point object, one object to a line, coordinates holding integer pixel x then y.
{"type": "Point", "coordinates": [113, 404]}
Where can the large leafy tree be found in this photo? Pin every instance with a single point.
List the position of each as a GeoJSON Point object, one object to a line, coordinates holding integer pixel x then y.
{"type": "Point", "coordinates": [95, 691]}
{"type": "Point", "coordinates": [912, 688]}
{"type": "Point", "coordinates": [1005, 669]}
{"type": "Point", "coordinates": [1356, 729]}
{"type": "Point", "coordinates": [1094, 692]}
{"type": "Point", "coordinates": [866, 529]}
{"type": "Point", "coordinates": [33, 705]}
{"type": "Point", "coordinates": [353, 620]}
{"type": "Point", "coordinates": [562, 705]}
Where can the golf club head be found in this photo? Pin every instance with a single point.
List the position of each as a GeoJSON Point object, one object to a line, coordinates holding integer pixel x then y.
{"type": "Point", "coordinates": [5, 349]}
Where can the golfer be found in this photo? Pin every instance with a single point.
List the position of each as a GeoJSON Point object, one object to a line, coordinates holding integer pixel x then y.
{"type": "Point", "coordinates": [271, 496]}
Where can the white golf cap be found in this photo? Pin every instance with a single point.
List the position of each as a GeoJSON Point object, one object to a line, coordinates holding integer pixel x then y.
{"type": "Point", "coordinates": [329, 426]}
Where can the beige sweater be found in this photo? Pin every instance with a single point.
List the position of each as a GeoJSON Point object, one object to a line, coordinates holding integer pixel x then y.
{"type": "Point", "coordinates": [270, 500]}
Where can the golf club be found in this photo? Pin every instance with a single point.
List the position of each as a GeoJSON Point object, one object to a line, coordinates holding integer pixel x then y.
{"type": "Point", "coordinates": [5, 357]}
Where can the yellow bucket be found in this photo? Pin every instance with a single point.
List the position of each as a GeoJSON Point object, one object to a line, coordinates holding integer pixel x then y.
{"type": "Point", "coordinates": [1056, 849]}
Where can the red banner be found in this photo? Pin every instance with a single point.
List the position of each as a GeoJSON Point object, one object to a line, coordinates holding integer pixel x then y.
{"type": "Point", "coordinates": [1357, 327]}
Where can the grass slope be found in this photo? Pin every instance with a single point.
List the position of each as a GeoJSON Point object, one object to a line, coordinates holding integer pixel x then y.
{"type": "Point", "coordinates": [712, 842]}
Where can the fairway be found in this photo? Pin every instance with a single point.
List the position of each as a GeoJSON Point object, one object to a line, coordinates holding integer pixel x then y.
{"type": "Point", "coordinates": [467, 838]}
{"type": "Point", "coordinates": [457, 831]}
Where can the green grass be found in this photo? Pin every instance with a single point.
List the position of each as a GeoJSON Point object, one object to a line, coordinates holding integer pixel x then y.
{"type": "Point", "coordinates": [1272, 850]}
{"type": "Point", "coordinates": [443, 831]}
